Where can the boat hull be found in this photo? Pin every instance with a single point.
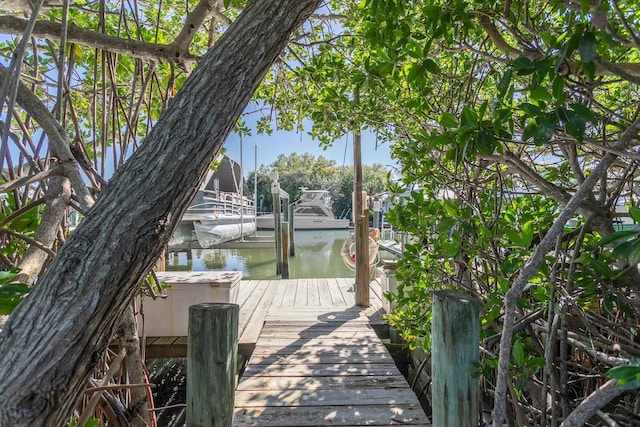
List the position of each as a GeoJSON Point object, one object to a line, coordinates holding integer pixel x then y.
{"type": "Point", "coordinates": [210, 234]}
{"type": "Point", "coordinates": [266, 222]}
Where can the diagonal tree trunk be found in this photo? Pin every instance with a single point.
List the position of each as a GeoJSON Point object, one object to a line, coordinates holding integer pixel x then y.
{"type": "Point", "coordinates": [51, 342]}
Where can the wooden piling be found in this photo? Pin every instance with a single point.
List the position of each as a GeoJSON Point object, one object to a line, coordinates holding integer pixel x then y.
{"type": "Point", "coordinates": [292, 226]}
{"type": "Point", "coordinates": [277, 231]}
{"type": "Point", "coordinates": [361, 220]}
{"type": "Point", "coordinates": [455, 338]}
{"type": "Point", "coordinates": [284, 268]}
{"type": "Point", "coordinates": [211, 364]}
{"type": "Point", "coordinates": [363, 268]}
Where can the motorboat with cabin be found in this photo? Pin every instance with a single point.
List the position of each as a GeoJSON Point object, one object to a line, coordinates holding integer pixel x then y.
{"type": "Point", "coordinates": [312, 211]}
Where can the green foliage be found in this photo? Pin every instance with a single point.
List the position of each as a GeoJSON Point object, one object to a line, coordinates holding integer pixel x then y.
{"type": "Point", "coordinates": [525, 364]}
{"type": "Point", "coordinates": [628, 376]}
{"type": "Point", "coordinates": [92, 422]}
{"type": "Point", "coordinates": [486, 147]}
{"type": "Point", "coordinates": [26, 223]}
{"type": "Point", "coordinates": [625, 243]}
{"type": "Point", "coordinates": [451, 237]}
{"type": "Point", "coordinates": [11, 293]}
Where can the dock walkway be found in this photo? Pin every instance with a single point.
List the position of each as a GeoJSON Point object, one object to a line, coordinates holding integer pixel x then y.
{"type": "Point", "coordinates": [316, 360]}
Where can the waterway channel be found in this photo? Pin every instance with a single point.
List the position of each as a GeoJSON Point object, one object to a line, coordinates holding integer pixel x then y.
{"type": "Point", "coordinates": [317, 255]}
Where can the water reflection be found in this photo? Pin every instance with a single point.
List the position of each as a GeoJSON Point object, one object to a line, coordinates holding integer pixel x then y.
{"type": "Point", "coordinates": [317, 256]}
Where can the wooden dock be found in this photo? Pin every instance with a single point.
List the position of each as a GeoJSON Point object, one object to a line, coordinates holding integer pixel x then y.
{"type": "Point", "coordinates": [315, 359]}
{"type": "Point", "coordinates": [318, 362]}
{"type": "Point", "coordinates": [262, 299]}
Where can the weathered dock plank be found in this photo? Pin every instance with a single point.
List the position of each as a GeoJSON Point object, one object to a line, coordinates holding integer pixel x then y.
{"type": "Point", "coordinates": [290, 292]}
{"type": "Point", "coordinates": [348, 289]}
{"type": "Point", "coordinates": [376, 291]}
{"type": "Point", "coordinates": [301, 293]}
{"type": "Point", "coordinates": [317, 416]}
{"type": "Point", "coordinates": [280, 292]}
{"type": "Point", "coordinates": [336, 294]}
{"type": "Point", "coordinates": [249, 335]}
{"type": "Point", "coordinates": [325, 397]}
{"type": "Point", "coordinates": [249, 306]}
{"type": "Point", "coordinates": [313, 295]}
{"type": "Point", "coordinates": [323, 292]}
{"type": "Point", "coordinates": [322, 356]}
{"type": "Point", "coordinates": [307, 383]}
{"type": "Point", "coordinates": [322, 369]}
{"type": "Point", "coordinates": [354, 333]}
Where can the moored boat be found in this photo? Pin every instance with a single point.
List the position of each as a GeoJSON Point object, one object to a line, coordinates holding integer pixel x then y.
{"type": "Point", "coordinates": [220, 212]}
{"type": "Point", "coordinates": [312, 211]}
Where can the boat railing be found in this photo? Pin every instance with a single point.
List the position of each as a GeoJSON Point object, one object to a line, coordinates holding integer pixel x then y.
{"type": "Point", "coordinates": [387, 232]}
{"type": "Point", "coordinates": [223, 203]}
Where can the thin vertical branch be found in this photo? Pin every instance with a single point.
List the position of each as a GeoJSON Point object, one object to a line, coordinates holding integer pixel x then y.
{"type": "Point", "coordinates": [62, 59]}
{"type": "Point", "coordinates": [552, 319]}
{"type": "Point", "coordinates": [10, 85]}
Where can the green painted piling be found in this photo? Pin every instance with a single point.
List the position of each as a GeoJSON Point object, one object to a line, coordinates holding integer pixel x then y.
{"type": "Point", "coordinates": [284, 268]}
{"type": "Point", "coordinates": [212, 352]}
{"type": "Point", "coordinates": [455, 338]}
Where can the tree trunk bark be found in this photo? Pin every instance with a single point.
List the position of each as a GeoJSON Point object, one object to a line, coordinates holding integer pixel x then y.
{"type": "Point", "coordinates": [49, 345]}
{"type": "Point", "coordinates": [58, 198]}
{"type": "Point", "coordinates": [134, 365]}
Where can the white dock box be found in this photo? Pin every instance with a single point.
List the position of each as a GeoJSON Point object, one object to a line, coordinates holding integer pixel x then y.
{"type": "Point", "coordinates": [169, 316]}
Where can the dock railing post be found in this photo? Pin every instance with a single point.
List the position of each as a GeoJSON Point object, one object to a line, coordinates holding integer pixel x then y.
{"type": "Point", "coordinates": [455, 340]}
{"type": "Point", "coordinates": [212, 352]}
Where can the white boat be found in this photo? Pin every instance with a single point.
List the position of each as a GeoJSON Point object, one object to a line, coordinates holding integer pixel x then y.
{"type": "Point", "coordinates": [212, 233]}
{"type": "Point", "coordinates": [312, 211]}
{"type": "Point", "coordinates": [219, 212]}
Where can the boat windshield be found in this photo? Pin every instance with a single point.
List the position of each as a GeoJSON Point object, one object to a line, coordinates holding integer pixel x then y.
{"type": "Point", "coordinates": [312, 210]}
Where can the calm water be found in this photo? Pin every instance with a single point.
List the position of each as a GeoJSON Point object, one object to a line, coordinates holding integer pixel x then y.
{"type": "Point", "coordinates": [317, 256]}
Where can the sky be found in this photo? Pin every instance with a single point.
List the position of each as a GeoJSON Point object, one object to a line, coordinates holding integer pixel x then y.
{"type": "Point", "coordinates": [269, 147]}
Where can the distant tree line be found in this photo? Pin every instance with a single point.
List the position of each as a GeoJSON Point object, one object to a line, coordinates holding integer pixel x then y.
{"type": "Point", "coordinates": [315, 173]}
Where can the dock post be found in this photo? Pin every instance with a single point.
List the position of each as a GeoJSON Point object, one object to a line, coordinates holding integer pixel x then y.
{"type": "Point", "coordinates": [360, 220]}
{"type": "Point", "coordinates": [363, 267]}
{"type": "Point", "coordinates": [284, 268]}
{"type": "Point", "coordinates": [455, 340]}
{"type": "Point", "coordinates": [212, 352]}
{"type": "Point", "coordinates": [276, 193]}
{"type": "Point", "coordinates": [278, 234]}
{"type": "Point", "coordinates": [292, 226]}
